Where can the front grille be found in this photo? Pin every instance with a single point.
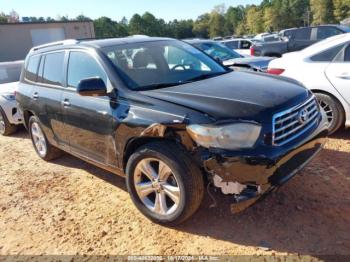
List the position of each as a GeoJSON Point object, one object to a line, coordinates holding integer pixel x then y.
{"type": "Point", "coordinates": [292, 123]}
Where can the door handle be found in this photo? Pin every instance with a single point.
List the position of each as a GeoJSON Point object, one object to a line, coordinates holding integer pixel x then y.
{"type": "Point", "coordinates": [344, 76]}
{"type": "Point", "coordinates": [35, 96]}
{"type": "Point", "coordinates": [66, 103]}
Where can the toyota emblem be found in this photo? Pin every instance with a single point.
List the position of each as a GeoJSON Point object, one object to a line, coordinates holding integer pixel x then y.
{"type": "Point", "coordinates": [303, 116]}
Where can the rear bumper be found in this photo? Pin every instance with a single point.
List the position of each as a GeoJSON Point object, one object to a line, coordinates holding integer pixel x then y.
{"type": "Point", "coordinates": [262, 173]}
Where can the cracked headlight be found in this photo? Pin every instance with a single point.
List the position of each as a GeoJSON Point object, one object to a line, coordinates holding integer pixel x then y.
{"type": "Point", "coordinates": [233, 136]}
{"type": "Point", "coordinates": [9, 96]}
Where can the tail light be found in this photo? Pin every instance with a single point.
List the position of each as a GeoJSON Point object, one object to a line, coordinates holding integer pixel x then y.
{"type": "Point", "coordinates": [275, 71]}
{"type": "Point", "coordinates": [252, 51]}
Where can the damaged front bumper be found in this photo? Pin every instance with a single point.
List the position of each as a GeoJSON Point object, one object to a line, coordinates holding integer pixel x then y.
{"type": "Point", "coordinates": [249, 176]}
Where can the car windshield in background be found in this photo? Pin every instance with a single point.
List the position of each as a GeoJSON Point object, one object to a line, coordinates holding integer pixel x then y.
{"type": "Point", "coordinates": [218, 50]}
{"type": "Point", "coordinates": [158, 64]}
{"type": "Point", "coordinates": [9, 74]}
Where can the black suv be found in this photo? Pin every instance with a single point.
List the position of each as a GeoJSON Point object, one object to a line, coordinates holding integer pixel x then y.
{"type": "Point", "coordinates": [169, 118]}
{"type": "Point", "coordinates": [296, 39]}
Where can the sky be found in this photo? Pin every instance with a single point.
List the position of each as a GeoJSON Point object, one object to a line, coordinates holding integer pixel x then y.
{"type": "Point", "coordinates": [116, 9]}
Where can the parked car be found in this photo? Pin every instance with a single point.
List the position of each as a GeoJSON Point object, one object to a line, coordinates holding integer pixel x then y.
{"type": "Point", "coordinates": [267, 37]}
{"type": "Point", "coordinates": [324, 68]}
{"type": "Point", "coordinates": [240, 45]}
{"type": "Point", "coordinates": [9, 115]}
{"type": "Point", "coordinates": [170, 121]}
{"type": "Point", "coordinates": [296, 39]}
{"type": "Point", "coordinates": [228, 57]}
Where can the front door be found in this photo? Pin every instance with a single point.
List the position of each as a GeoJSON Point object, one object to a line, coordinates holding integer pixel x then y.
{"type": "Point", "coordinates": [88, 120]}
{"type": "Point", "coordinates": [338, 73]}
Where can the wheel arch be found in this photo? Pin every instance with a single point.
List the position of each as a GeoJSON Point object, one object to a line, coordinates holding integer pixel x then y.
{"type": "Point", "coordinates": [169, 134]}
{"type": "Point", "coordinates": [320, 91]}
{"type": "Point", "coordinates": [26, 116]}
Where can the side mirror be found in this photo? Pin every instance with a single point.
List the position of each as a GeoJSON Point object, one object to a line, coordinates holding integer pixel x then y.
{"type": "Point", "coordinates": [94, 86]}
{"type": "Point", "coordinates": [219, 60]}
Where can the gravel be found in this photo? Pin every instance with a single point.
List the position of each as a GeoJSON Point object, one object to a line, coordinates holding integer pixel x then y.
{"type": "Point", "coordinates": [71, 207]}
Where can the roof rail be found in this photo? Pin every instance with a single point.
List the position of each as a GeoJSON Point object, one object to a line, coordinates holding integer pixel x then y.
{"type": "Point", "coordinates": [58, 43]}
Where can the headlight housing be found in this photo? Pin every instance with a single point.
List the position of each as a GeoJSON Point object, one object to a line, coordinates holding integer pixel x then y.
{"type": "Point", "coordinates": [233, 136]}
{"type": "Point", "coordinates": [9, 96]}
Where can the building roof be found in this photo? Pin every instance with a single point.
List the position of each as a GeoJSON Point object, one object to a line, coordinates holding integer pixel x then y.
{"type": "Point", "coordinates": [46, 22]}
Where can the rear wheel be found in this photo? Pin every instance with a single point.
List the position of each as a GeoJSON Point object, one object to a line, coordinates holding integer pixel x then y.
{"type": "Point", "coordinates": [6, 128]}
{"type": "Point", "coordinates": [164, 184]}
{"type": "Point", "coordinates": [333, 109]}
{"type": "Point", "coordinates": [42, 146]}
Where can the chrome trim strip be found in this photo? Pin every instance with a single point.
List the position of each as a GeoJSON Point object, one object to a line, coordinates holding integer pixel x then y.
{"type": "Point", "coordinates": [310, 105]}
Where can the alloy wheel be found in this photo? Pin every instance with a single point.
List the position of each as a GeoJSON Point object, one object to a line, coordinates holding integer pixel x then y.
{"type": "Point", "coordinates": [329, 111]}
{"type": "Point", "coordinates": [157, 186]}
{"type": "Point", "coordinates": [39, 139]}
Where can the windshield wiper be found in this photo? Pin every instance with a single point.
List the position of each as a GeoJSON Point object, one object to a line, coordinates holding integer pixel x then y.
{"type": "Point", "coordinates": [160, 85]}
{"type": "Point", "coordinates": [204, 76]}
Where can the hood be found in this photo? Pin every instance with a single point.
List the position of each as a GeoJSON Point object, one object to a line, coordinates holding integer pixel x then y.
{"type": "Point", "coordinates": [253, 61]}
{"type": "Point", "coordinates": [236, 95]}
{"type": "Point", "coordinates": [9, 87]}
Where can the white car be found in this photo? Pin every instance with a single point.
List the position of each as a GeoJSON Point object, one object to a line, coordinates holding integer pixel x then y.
{"type": "Point", "coordinates": [9, 115]}
{"type": "Point", "coordinates": [240, 45]}
{"type": "Point", "coordinates": [323, 68]}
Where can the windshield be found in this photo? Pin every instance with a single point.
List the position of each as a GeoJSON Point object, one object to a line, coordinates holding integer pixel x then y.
{"type": "Point", "coordinates": [9, 73]}
{"type": "Point", "coordinates": [156, 64]}
{"type": "Point", "coordinates": [217, 50]}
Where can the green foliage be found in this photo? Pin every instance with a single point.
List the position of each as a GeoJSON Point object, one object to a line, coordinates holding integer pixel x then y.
{"type": "Point", "coordinates": [216, 24]}
{"type": "Point", "coordinates": [201, 26]}
{"type": "Point", "coordinates": [341, 9]}
{"type": "Point", "coordinates": [322, 11]}
{"type": "Point", "coordinates": [3, 18]}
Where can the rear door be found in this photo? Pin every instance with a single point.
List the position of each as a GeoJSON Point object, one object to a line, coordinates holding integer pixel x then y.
{"type": "Point", "coordinates": [338, 73]}
{"type": "Point", "coordinates": [301, 38]}
{"type": "Point", "coordinates": [88, 120]}
{"type": "Point", "coordinates": [46, 96]}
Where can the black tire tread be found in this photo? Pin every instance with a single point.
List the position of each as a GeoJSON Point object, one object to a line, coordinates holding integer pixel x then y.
{"type": "Point", "coordinates": [9, 128]}
{"type": "Point", "coordinates": [193, 181]}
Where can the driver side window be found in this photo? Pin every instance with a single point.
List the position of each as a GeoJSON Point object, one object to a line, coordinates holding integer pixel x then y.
{"type": "Point", "coordinates": [178, 59]}
{"type": "Point", "coordinates": [81, 66]}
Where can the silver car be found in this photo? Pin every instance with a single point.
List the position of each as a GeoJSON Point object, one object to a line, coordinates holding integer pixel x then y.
{"type": "Point", "coordinates": [10, 117]}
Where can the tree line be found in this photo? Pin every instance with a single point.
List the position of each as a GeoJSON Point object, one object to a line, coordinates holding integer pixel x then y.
{"type": "Point", "coordinates": [268, 16]}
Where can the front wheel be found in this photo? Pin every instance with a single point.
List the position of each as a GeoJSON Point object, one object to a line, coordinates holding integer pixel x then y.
{"type": "Point", "coordinates": [333, 110]}
{"type": "Point", "coordinates": [164, 184]}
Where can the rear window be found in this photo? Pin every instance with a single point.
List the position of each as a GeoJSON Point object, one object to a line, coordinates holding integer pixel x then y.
{"type": "Point", "coordinates": [245, 44]}
{"type": "Point", "coordinates": [53, 68]}
{"type": "Point", "coordinates": [328, 55]}
{"type": "Point", "coordinates": [32, 68]}
{"type": "Point", "coordinates": [325, 32]}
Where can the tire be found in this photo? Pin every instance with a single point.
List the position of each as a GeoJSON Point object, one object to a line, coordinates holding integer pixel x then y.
{"type": "Point", "coordinates": [185, 176]}
{"type": "Point", "coordinates": [6, 128]}
{"type": "Point", "coordinates": [334, 111]}
{"type": "Point", "coordinates": [41, 145]}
